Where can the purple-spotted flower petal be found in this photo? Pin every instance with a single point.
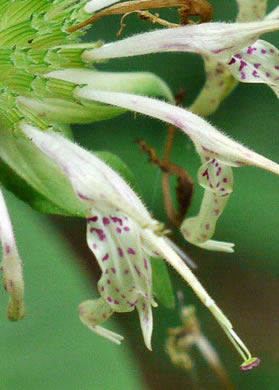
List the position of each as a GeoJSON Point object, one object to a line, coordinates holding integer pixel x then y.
{"type": "Point", "coordinates": [121, 239]}
{"type": "Point", "coordinates": [258, 63]}
{"type": "Point", "coordinates": [211, 145]}
{"type": "Point", "coordinates": [11, 265]}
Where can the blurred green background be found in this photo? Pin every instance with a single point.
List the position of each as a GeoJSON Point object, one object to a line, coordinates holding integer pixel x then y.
{"type": "Point", "coordinates": [51, 349]}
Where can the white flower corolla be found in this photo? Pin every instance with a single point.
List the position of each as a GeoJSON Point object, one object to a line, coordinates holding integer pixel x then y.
{"type": "Point", "coordinates": [220, 44]}
{"type": "Point", "coordinates": [11, 265]}
{"type": "Point", "coordinates": [122, 235]}
{"type": "Point", "coordinates": [218, 153]}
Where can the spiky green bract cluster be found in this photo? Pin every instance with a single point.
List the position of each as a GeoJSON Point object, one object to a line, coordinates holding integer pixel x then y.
{"type": "Point", "coordinates": [30, 34]}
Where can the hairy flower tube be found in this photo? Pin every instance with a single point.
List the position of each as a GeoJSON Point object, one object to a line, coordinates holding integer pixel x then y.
{"type": "Point", "coordinates": [231, 52]}
{"type": "Point", "coordinates": [122, 235]}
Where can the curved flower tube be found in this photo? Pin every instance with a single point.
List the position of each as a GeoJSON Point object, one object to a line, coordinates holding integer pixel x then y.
{"type": "Point", "coordinates": [217, 151]}
{"type": "Point", "coordinates": [122, 235]}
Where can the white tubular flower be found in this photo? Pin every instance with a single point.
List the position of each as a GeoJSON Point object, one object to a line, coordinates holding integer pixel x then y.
{"type": "Point", "coordinates": [11, 265]}
{"type": "Point", "coordinates": [217, 151]}
{"type": "Point", "coordinates": [220, 44]}
{"type": "Point", "coordinates": [122, 235]}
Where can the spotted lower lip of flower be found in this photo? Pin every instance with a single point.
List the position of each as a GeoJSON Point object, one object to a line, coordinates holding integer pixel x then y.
{"type": "Point", "coordinates": [11, 265]}
{"type": "Point", "coordinates": [218, 153]}
{"type": "Point", "coordinates": [122, 239]}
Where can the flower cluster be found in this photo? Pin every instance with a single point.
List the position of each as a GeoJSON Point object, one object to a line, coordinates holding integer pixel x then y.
{"type": "Point", "coordinates": [48, 82]}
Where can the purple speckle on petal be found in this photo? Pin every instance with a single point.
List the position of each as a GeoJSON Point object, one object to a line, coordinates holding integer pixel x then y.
{"type": "Point", "coordinates": [263, 51]}
{"type": "Point", "coordinates": [108, 281]}
{"type": "Point", "coordinates": [92, 219]}
{"type": "Point", "coordinates": [232, 61]}
{"type": "Point", "coordinates": [257, 65]}
{"type": "Point", "coordinates": [105, 258]}
{"type": "Point", "coordinates": [242, 65]}
{"type": "Point", "coordinates": [113, 270]}
{"type": "Point", "coordinates": [251, 49]}
{"type": "Point", "coordinates": [120, 252]}
{"type": "Point", "coordinates": [225, 180]}
{"type": "Point", "coordinates": [126, 228]}
{"type": "Point", "coordinates": [267, 74]}
{"type": "Point", "coordinates": [137, 271]}
{"type": "Point", "coordinates": [7, 249]}
{"type": "Point", "coordinates": [207, 226]}
{"type": "Point", "coordinates": [219, 171]}
{"type": "Point", "coordinates": [255, 74]}
{"type": "Point", "coordinates": [118, 230]}
{"type": "Point", "coordinates": [145, 264]}
{"type": "Point", "coordinates": [109, 299]}
{"type": "Point", "coordinates": [116, 302]}
{"type": "Point", "coordinates": [243, 76]}
{"type": "Point", "coordinates": [276, 67]}
{"type": "Point", "coordinates": [106, 221]}
{"type": "Point", "coordinates": [131, 251]}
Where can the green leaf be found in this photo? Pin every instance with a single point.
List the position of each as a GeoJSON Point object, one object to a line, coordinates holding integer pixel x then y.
{"type": "Point", "coordinates": [162, 286]}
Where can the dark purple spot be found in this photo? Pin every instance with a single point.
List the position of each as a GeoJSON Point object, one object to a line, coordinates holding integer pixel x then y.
{"type": "Point", "coordinates": [117, 220]}
{"type": "Point", "coordinates": [12, 283]}
{"type": "Point", "coordinates": [219, 171]}
{"type": "Point", "coordinates": [267, 74]}
{"type": "Point", "coordinates": [276, 67]}
{"type": "Point", "coordinates": [109, 299]}
{"type": "Point", "coordinates": [243, 76]}
{"type": "Point", "coordinates": [108, 281]}
{"type": "Point", "coordinates": [206, 173]}
{"type": "Point", "coordinates": [217, 185]}
{"type": "Point", "coordinates": [120, 252]}
{"type": "Point", "coordinates": [100, 233]}
{"type": "Point", "coordinates": [95, 246]}
{"type": "Point", "coordinates": [113, 270]}
{"type": "Point", "coordinates": [107, 271]}
{"type": "Point", "coordinates": [105, 258]}
{"type": "Point", "coordinates": [123, 296]}
{"type": "Point", "coordinates": [263, 51]}
{"type": "Point", "coordinates": [251, 49]}
{"type": "Point", "coordinates": [92, 219]}
{"type": "Point", "coordinates": [217, 212]}
{"type": "Point", "coordinates": [255, 74]}
{"type": "Point", "coordinates": [82, 196]}
{"type": "Point", "coordinates": [117, 290]}
{"type": "Point", "coordinates": [137, 271]}
{"type": "Point", "coordinates": [207, 226]}
{"type": "Point", "coordinates": [118, 230]}
{"type": "Point", "coordinates": [127, 229]}
{"type": "Point", "coordinates": [102, 288]}
{"type": "Point", "coordinates": [239, 56]}
{"type": "Point", "coordinates": [272, 51]}
{"type": "Point", "coordinates": [219, 71]}
{"type": "Point", "coordinates": [225, 180]}
{"type": "Point", "coordinates": [242, 65]}
{"type": "Point", "coordinates": [7, 249]}
{"type": "Point", "coordinates": [116, 302]}
{"type": "Point", "coordinates": [106, 221]}
{"type": "Point", "coordinates": [126, 271]}
{"type": "Point", "coordinates": [104, 316]}
{"type": "Point", "coordinates": [145, 264]}
{"type": "Point", "coordinates": [232, 61]}
{"type": "Point", "coordinates": [131, 251]}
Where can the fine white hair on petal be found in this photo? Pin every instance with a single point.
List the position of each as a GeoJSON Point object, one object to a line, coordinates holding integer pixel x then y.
{"type": "Point", "coordinates": [92, 179]}
{"type": "Point", "coordinates": [221, 39]}
{"type": "Point", "coordinates": [205, 137]}
{"type": "Point", "coordinates": [96, 5]}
